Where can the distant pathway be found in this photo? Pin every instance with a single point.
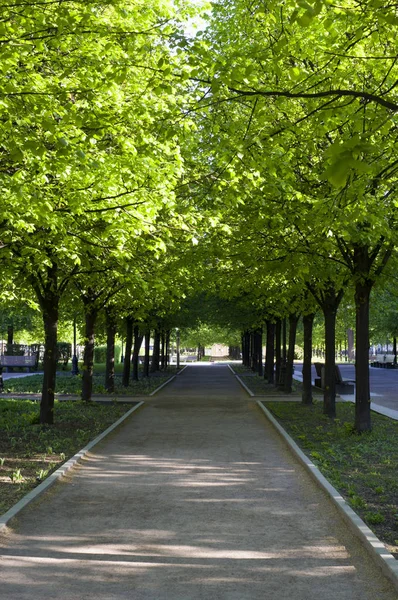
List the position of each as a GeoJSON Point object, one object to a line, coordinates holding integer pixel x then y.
{"type": "Point", "coordinates": [194, 498]}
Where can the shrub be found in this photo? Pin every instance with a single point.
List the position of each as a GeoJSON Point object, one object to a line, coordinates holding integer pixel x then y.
{"type": "Point", "coordinates": [100, 354]}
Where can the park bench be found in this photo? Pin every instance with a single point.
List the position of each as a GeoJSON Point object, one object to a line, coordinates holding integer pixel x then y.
{"type": "Point", "coordinates": [30, 362]}
{"type": "Point", "coordinates": [343, 386]}
{"type": "Point", "coordinates": [385, 361]}
{"type": "Point", "coordinates": [190, 359]}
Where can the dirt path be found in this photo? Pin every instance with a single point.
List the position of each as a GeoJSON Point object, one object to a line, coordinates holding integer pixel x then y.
{"type": "Point", "coordinates": [194, 498]}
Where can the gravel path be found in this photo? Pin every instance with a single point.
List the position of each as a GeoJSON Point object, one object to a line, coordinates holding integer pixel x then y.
{"type": "Point", "coordinates": [195, 497]}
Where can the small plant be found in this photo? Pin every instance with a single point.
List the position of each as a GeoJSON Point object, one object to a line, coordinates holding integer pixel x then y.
{"type": "Point", "coordinates": [374, 517]}
{"type": "Point", "coordinates": [2, 461]}
{"type": "Point", "coordinates": [42, 474]}
{"type": "Point", "coordinates": [49, 450]}
{"type": "Point", "coordinates": [62, 456]}
{"type": "Point", "coordinates": [357, 502]}
{"type": "Point", "coordinates": [379, 489]}
{"type": "Point", "coordinates": [16, 476]}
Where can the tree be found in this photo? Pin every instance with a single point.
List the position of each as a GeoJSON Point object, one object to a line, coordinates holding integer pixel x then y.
{"type": "Point", "coordinates": [69, 164]}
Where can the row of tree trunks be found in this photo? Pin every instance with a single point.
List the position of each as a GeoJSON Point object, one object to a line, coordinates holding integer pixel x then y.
{"type": "Point", "coordinates": [234, 352]}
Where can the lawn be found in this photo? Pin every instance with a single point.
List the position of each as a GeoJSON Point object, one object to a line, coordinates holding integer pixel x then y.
{"type": "Point", "coordinates": [29, 452]}
{"type": "Point", "coordinates": [69, 384]}
{"type": "Point", "coordinates": [258, 385]}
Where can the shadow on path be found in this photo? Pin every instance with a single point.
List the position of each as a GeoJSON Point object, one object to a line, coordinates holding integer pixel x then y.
{"type": "Point", "coordinates": [195, 497]}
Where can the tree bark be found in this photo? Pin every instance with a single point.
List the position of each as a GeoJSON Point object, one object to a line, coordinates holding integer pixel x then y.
{"type": "Point", "coordinates": [278, 355]}
{"type": "Point", "coordinates": [259, 335]}
{"type": "Point", "coordinates": [110, 351]}
{"type": "Point", "coordinates": [246, 349]}
{"type": "Point", "coordinates": [146, 357]}
{"type": "Point", "coordinates": [284, 352]}
{"type": "Point", "coordinates": [50, 308]}
{"type": "Point", "coordinates": [329, 382]}
{"type": "Point", "coordinates": [293, 320]}
{"type": "Point", "coordinates": [127, 351]}
{"type": "Point", "coordinates": [137, 346]}
{"type": "Point", "coordinates": [156, 352]}
{"type": "Point", "coordinates": [270, 353]}
{"type": "Point", "coordinates": [308, 321]}
{"type": "Point", "coordinates": [163, 350]}
{"type": "Point", "coordinates": [88, 360]}
{"type": "Point", "coordinates": [362, 387]}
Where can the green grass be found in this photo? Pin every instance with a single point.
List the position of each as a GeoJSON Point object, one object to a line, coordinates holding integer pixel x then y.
{"type": "Point", "coordinates": [29, 452]}
{"type": "Point", "coordinates": [363, 468]}
{"type": "Point", "coordinates": [258, 385]}
{"type": "Point", "coordinates": [69, 384]}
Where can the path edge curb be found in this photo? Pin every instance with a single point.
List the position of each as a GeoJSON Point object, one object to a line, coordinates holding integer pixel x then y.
{"type": "Point", "coordinates": [167, 382]}
{"type": "Point", "coordinates": [162, 386]}
{"type": "Point", "coordinates": [373, 545]}
{"type": "Point", "coordinates": [6, 517]}
{"type": "Point", "coordinates": [241, 382]}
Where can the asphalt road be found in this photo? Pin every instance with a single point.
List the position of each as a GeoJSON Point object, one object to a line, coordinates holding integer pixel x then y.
{"type": "Point", "coordinates": [383, 383]}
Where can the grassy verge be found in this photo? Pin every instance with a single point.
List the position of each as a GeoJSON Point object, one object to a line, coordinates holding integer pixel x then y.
{"type": "Point", "coordinates": [29, 452]}
{"type": "Point", "coordinates": [69, 384]}
{"type": "Point", "coordinates": [259, 386]}
{"type": "Point", "coordinates": [364, 469]}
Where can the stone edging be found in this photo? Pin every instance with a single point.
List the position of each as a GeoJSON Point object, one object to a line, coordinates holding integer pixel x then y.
{"type": "Point", "coordinates": [375, 547]}
{"type": "Point", "coordinates": [61, 471]}
{"type": "Point", "coordinates": [167, 382]}
{"type": "Point", "coordinates": [241, 382]}
{"type": "Point", "coordinates": [162, 386]}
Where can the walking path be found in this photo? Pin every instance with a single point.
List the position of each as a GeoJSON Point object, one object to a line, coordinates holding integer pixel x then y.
{"type": "Point", "coordinates": [195, 497]}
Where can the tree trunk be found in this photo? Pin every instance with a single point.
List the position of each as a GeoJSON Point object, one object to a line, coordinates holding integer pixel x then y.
{"type": "Point", "coordinates": [329, 379]}
{"type": "Point", "coordinates": [259, 345]}
{"type": "Point", "coordinates": [156, 352]}
{"type": "Point", "coordinates": [88, 360]}
{"type": "Point", "coordinates": [163, 351]}
{"type": "Point", "coordinates": [270, 353]}
{"type": "Point", "coordinates": [246, 349]}
{"type": "Point", "coordinates": [394, 350]}
{"type": "Point", "coordinates": [10, 335]}
{"type": "Point", "coordinates": [362, 387]}
{"type": "Point", "coordinates": [308, 321]}
{"type": "Point", "coordinates": [50, 320]}
{"type": "Point", "coordinates": [145, 372]}
{"type": "Point", "coordinates": [137, 346]}
{"type": "Point", "coordinates": [284, 352]}
{"type": "Point", "coordinates": [293, 320]}
{"type": "Point", "coordinates": [110, 351]}
{"type": "Point", "coordinates": [127, 352]}
{"type": "Point", "coordinates": [167, 353]}
{"type": "Point", "coordinates": [278, 355]}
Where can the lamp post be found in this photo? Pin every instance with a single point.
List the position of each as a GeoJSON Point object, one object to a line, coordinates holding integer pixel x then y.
{"type": "Point", "coordinates": [75, 365]}
{"type": "Point", "coordinates": [178, 348]}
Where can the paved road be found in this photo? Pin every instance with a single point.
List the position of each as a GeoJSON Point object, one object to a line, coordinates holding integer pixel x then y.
{"type": "Point", "coordinates": [194, 498]}
{"type": "Point", "coordinates": [383, 383]}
